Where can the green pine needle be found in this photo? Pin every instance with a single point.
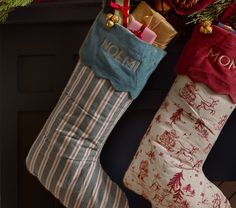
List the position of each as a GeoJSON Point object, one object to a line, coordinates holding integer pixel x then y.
{"type": "Point", "coordinates": [7, 6]}
{"type": "Point", "coordinates": [210, 13]}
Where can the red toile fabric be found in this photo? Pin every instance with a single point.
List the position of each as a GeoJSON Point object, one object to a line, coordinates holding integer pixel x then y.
{"type": "Point", "coordinates": [211, 59]}
{"type": "Point", "coordinates": [189, 6]}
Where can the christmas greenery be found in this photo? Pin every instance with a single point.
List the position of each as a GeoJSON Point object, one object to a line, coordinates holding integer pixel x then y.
{"type": "Point", "coordinates": [8, 5]}
{"type": "Point", "coordinates": [210, 13]}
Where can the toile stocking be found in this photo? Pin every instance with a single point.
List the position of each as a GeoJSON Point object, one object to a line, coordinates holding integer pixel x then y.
{"type": "Point", "coordinates": [167, 168]}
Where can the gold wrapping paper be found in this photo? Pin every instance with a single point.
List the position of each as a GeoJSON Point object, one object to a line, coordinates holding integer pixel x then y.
{"type": "Point", "coordinates": [156, 22]}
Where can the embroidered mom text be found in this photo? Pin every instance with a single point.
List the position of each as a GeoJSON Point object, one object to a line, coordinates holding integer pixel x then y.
{"type": "Point", "coordinates": [222, 59]}
{"type": "Point", "coordinates": [120, 55]}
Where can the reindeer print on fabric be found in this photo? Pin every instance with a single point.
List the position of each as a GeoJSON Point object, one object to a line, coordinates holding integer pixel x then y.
{"type": "Point", "coordinates": [168, 167]}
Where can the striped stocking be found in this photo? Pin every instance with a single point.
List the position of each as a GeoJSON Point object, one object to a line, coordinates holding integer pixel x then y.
{"type": "Point", "coordinates": [65, 157]}
{"type": "Point", "coordinates": [114, 67]}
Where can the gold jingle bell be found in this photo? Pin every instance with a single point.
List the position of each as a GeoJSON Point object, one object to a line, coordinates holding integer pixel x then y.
{"type": "Point", "coordinates": [115, 18]}
{"type": "Point", "coordinates": [206, 27]}
{"type": "Point", "coordinates": [111, 19]}
{"type": "Point", "coordinates": [110, 24]}
{"type": "Point", "coordinates": [206, 23]}
{"type": "Point", "coordinates": [206, 30]}
{"type": "Point", "coordinates": [109, 16]}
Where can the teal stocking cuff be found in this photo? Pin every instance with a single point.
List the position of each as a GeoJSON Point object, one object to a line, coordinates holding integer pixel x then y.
{"type": "Point", "coordinates": [119, 56]}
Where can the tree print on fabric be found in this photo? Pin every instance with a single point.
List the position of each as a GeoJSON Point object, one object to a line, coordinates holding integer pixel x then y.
{"type": "Point", "coordinates": [168, 167]}
{"type": "Point", "coordinates": [177, 115]}
{"type": "Point", "coordinates": [175, 186]}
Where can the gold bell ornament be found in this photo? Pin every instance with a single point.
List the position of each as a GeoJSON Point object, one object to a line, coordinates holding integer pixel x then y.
{"type": "Point", "coordinates": [111, 19]}
{"type": "Point", "coordinates": [109, 16]}
{"type": "Point", "coordinates": [206, 27]}
{"type": "Point", "coordinates": [110, 24]}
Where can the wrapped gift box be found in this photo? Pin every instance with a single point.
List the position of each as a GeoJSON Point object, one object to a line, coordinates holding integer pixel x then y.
{"type": "Point", "coordinates": [155, 22]}
{"type": "Point", "coordinates": [121, 8]}
{"type": "Point", "coordinates": [141, 31]}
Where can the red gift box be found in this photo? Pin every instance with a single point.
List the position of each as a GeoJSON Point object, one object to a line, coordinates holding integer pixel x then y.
{"type": "Point", "coordinates": [121, 8]}
{"type": "Point", "coordinates": [141, 31]}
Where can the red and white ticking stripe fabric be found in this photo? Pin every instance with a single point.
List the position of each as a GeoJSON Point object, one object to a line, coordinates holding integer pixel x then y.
{"type": "Point", "coordinates": [65, 156]}
{"type": "Point", "coordinates": [167, 168]}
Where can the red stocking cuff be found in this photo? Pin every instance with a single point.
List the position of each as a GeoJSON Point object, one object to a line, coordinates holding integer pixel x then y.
{"type": "Point", "coordinates": [185, 8]}
{"type": "Point", "coordinates": [211, 59]}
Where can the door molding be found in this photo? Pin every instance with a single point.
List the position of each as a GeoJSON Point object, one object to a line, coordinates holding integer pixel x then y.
{"type": "Point", "coordinates": [76, 11]}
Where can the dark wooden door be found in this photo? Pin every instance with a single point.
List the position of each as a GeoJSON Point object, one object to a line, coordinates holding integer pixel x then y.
{"type": "Point", "coordinates": [37, 58]}
{"type": "Point", "coordinates": [38, 51]}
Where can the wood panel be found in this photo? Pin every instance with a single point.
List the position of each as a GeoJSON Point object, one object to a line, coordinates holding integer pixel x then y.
{"type": "Point", "coordinates": [36, 62]}
{"type": "Point", "coordinates": [29, 124]}
{"type": "Point", "coordinates": [66, 11]}
{"type": "Point", "coordinates": [229, 189]}
{"type": "Point", "coordinates": [233, 201]}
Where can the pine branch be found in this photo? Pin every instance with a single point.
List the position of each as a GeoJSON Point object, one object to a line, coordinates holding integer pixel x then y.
{"type": "Point", "coordinates": [210, 13]}
{"type": "Point", "coordinates": [7, 6]}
